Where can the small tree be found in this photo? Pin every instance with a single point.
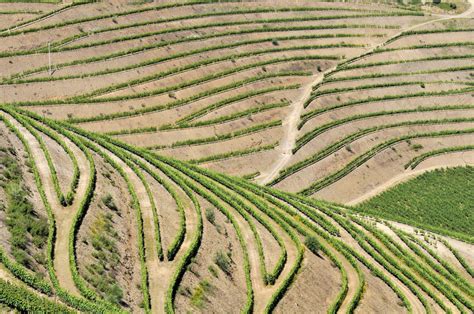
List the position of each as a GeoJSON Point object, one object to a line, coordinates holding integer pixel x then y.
{"type": "Point", "coordinates": [312, 244]}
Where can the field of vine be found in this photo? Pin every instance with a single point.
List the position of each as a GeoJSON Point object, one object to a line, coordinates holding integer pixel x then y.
{"type": "Point", "coordinates": [439, 200]}
{"type": "Point", "coordinates": [221, 157]}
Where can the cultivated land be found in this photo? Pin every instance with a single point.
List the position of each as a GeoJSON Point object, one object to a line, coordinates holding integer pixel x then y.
{"type": "Point", "coordinates": [188, 157]}
{"type": "Point", "coordinates": [444, 192]}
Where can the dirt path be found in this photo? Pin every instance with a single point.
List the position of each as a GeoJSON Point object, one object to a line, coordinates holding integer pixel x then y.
{"type": "Point", "coordinates": [465, 249]}
{"type": "Point", "coordinates": [417, 306]}
{"type": "Point", "coordinates": [264, 293]}
{"type": "Point", "coordinates": [159, 273]}
{"type": "Point", "coordinates": [416, 275]}
{"type": "Point", "coordinates": [151, 255]}
{"type": "Point", "coordinates": [290, 125]}
{"type": "Point", "coordinates": [63, 216]}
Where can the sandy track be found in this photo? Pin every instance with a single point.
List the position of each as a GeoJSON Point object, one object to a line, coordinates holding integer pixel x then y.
{"type": "Point", "coordinates": [159, 272]}
{"type": "Point", "coordinates": [264, 293]}
{"type": "Point", "coordinates": [151, 255]}
{"type": "Point", "coordinates": [290, 125]}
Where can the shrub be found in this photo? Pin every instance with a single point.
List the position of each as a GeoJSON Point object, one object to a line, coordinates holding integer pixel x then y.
{"type": "Point", "coordinates": [213, 271]}
{"type": "Point", "coordinates": [210, 216]}
{"type": "Point", "coordinates": [312, 244]}
{"type": "Point", "coordinates": [109, 202]}
{"type": "Point", "coordinates": [197, 299]}
{"type": "Point", "coordinates": [223, 262]}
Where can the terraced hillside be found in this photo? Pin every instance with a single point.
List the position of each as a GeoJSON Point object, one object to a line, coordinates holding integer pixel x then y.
{"type": "Point", "coordinates": [129, 133]}
{"type": "Point", "coordinates": [403, 108]}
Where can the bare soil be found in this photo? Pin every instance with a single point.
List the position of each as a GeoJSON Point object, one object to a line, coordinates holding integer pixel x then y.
{"type": "Point", "coordinates": [127, 273]}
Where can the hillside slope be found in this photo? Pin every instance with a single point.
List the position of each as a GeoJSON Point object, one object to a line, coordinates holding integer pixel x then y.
{"type": "Point", "coordinates": [125, 165]}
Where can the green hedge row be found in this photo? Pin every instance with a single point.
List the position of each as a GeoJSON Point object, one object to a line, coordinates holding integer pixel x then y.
{"type": "Point", "coordinates": [382, 63]}
{"type": "Point", "coordinates": [330, 91]}
{"type": "Point", "coordinates": [269, 277]}
{"type": "Point", "coordinates": [212, 14]}
{"type": "Point", "coordinates": [233, 200]}
{"type": "Point", "coordinates": [382, 49]}
{"type": "Point", "coordinates": [174, 71]}
{"type": "Point", "coordinates": [309, 115]}
{"type": "Point", "coordinates": [225, 24]}
{"type": "Point", "coordinates": [249, 94]}
{"type": "Point", "coordinates": [219, 104]}
{"type": "Point", "coordinates": [70, 39]}
{"type": "Point", "coordinates": [70, 195]}
{"type": "Point", "coordinates": [24, 274]}
{"type": "Point", "coordinates": [316, 112]}
{"type": "Point", "coordinates": [428, 31]}
{"type": "Point", "coordinates": [80, 283]}
{"type": "Point", "coordinates": [310, 135]}
{"type": "Point", "coordinates": [460, 258]}
{"type": "Point", "coordinates": [175, 164]}
{"type": "Point", "coordinates": [228, 136]}
{"type": "Point", "coordinates": [180, 167]}
{"type": "Point", "coordinates": [440, 266]}
{"type": "Point", "coordinates": [84, 204]}
{"type": "Point", "coordinates": [227, 118]}
{"type": "Point", "coordinates": [427, 46]}
{"type": "Point", "coordinates": [232, 154]}
{"type": "Point", "coordinates": [25, 301]}
{"type": "Point", "coordinates": [300, 223]}
{"type": "Point", "coordinates": [17, 77]}
{"type": "Point", "coordinates": [352, 137]}
{"type": "Point", "coordinates": [139, 220]}
{"type": "Point", "coordinates": [383, 75]}
{"type": "Point", "coordinates": [118, 151]}
{"type": "Point", "coordinates": [387, 261]}
{"type": "Point", "coordinates": [251, 176]}
{"type": "Point", "coordinates": [186, 259]}
{"type": "Point", "coordinates": [431, 276]}
{"type": "Point", "coordinates": [197, 237]}
{"type": "Point", "coordinates": [80, 100]}
{"type": "Point", "coordinates": [64, 199]}
{"type": "Point", "coordinates": [330, 179]}
{"type": "Point", "coordinates": [178, 240]}
{"type": "Point", "coordinates": [103, 16]}
{"type": "Point", "coordinates": [76, 302]}
{"type": "Point", "coordinates": [43, 16]}
{"type": "Point", "coordinates": [339, 217]}
{"type": "Point", "coordinates": [175, 104]}
{"type": "Point", "coordinates": [403, 34]}
{"type": "Point", "coordinates": [414, 162]}
{"type": "Point", "coordinates": [326, 92]}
